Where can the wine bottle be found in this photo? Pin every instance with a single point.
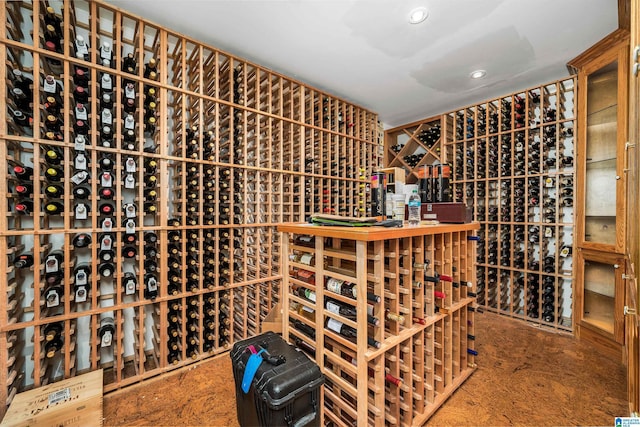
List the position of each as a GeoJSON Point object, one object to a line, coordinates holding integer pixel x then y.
{"type": "Point", "coordinates": [53, 208]}
{"type": "Point", "coordinates": [106, 208]}
{"type": "Point", "coordinates": [23, 172]}
{"type": "Point", "coordinates": [54, 174]}
{"type": "Point", "coordinates": [106, 269]}
{"type": "Point", "coordinates": [106, 55]}
{"type": "Point", "coordinates": [149, 68]}
{"type": "Point", "coordinates": [53, 296]}
{"type": "Point", "coordinates": [21, 100]}
{"type": "Point", "coordinates": [80, 193]}
{"type": "Point", "coordinates": [150, 286]}
{"type": "Point", "coordinates": [129, 64]}
{"type": "Point", "coordinates": [81, 48]}
{"type": "Point", "coordinates": [52, 331]}
{"type": "Point", "coordinates": [130, 283]}
{"type": "Point", "coordinates": [22, 82]}
{"type": "Point", "coordinates": [81, 240]}
{"type": "Point", "coordinates": [81, 274]}
{"type": "Point", "coordinates": [348, 332]}
{"type": "Point", "coordinates": [51, 348]}
{"type": "Point", "coordinates": [106, 332]}
{"type": "Point", "coordinates": [106, 193]}
{"type": "Point", "coordinates": [24, 260]}
{"type": "Point", "coordinates": [24, 207]}
{"type": "Point", "coordinates": [81, 96]}
{"type": "Point", "coordinates": [129, 251]}
{"type": "Point", "coordinates": [52, 40]}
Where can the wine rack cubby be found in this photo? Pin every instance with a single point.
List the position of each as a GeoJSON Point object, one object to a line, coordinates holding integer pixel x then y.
{"type": "Point", "coordinates": [414, 145]}
{"type": "Point", "coordinates": [513, 162]}
{"type": "Point", "coordinates": [145, 173]}
{"type": "Point", "coordinates": [391, 312]}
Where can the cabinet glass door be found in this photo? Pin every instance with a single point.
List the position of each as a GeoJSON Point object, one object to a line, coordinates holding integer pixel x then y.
{"type": "Point", "coordinates": [599, 295]}
{"type": "Point", "coordinates": [600, 178]}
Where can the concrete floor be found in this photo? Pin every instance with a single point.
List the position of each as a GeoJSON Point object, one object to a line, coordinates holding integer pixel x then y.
{"type": "Point", "coordinates": [525, 376]}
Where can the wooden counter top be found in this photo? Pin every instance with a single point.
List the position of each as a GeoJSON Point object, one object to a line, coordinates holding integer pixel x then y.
{"type": "Point", "coordinates": [370, 234]}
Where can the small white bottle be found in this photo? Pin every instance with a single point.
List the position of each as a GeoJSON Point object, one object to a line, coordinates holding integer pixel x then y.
{"type": "Point", "coordinates": [414, 208]}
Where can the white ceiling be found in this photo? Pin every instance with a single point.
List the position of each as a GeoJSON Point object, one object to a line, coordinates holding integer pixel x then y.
{"type": "Point", "coordinates": [366, 52]}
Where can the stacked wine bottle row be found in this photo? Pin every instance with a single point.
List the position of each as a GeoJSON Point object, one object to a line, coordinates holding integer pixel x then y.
{"type": "Point", "coordinates": [413, 146]}
{"type": "Point", "coordinates": [395, 307]}
{"type": "Point", "coordinates": [513, 161]}
{"type": "Point", "coordinates": [145, 174]}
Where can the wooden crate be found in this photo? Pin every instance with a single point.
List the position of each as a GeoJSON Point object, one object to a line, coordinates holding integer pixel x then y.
{"type": "Point", "coordinates": [75, 402]}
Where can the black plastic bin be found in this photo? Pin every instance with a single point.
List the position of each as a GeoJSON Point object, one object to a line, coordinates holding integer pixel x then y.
{"type": "Point", "coordinates": [287, 394]}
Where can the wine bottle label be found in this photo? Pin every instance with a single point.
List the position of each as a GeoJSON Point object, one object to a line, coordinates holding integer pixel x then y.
{"type": "Point", "coordinates": [106, 180]}
{"type": "Point", "coordinates": [49, 87]}
{"type": "Point", "coordinates": [51, 265]}
{"type": "Point", "coordinates": [369, 310]}
{"type": "Point", "coordinates": [152, 285]}
{"type": "Point", "coordinates": [306, 259]}
{"type": "Point", "coordinates": [81, 48]}
{"type": "Point", "coordinates": [81, 211]}
{"type": "Point", "coordinates": [52, 298]}
{"type": "Point", "coordinates": [333, 307]}
{"type": "Point", "coordinates": [80, 162]}
{"type": "Point", "coordinates": [129, 122]}
{"type": "Point", "coordinates": [79, 144]}
{"type": "Point", "coordinates": [106, 244]}
{"type": "Point", "coordinates": [334, 285]}
{"type": "Point", "coordinates": [548, 232]}
{"type": "Point", "coordinates": [565, 252]}
{"type": "Point", "coordinates": [81, 113]}
{"type": "Point", "coordinates": [106, 117]}
{"type": "Point", "coordinates": [334, 325]}
{"type": "Point", "coordinates": [105, 51]}
{"type": "Point", "coordinates": [130, 92]}
{"type": "Point", "coordinates": [130, 165]}
{"type": "Point", "coordinates": [107, 338]}
{"type": "Point", "coordinates": [107, 225]}
{"type": "Point", "coordinates": [310, 295]}
{"type": "Point", "coordinates": [129, 181]}
{"type": "Point", "coordinates": [105, 83]}
{"type": "Point", "coordinates": [81, 294]}
{"type": "Point", "coordinates": [548, 182]}
{"type": "Point", "coordinates": [130, 210]}
{"type": "Point", "coordinates": [130, 287]}
{"type": "Point", "coordinates": [130, 227]}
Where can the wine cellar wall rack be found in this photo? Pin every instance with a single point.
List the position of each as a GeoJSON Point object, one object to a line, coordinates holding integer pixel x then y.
{"type": "Point", "coordinates": [512, 160]}
{"type": "Point", "coordinates": [392, 311]}
{"type": "Point", "coordinates": [144, 179]}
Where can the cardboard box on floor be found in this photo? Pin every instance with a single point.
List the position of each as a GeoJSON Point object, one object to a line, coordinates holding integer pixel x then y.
{"type": "Point", "coordinates": [75, 402]}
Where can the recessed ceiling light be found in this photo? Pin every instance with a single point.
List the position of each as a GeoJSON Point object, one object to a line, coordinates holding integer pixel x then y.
{"type": "Point", "coordinates": [477, 74]}
{"type": "Point", "coordinates": [418, 15]}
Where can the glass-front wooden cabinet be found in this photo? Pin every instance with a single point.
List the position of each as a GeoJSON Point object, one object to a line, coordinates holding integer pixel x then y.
{"type": "Point", "coordinates": [601, 179]}
{"type": "Point", "coordinates": [602, 129]}
{"type": "Point", "coordinates": [602, 134]}
{"type": "Point", "coordinates": [602, 302]}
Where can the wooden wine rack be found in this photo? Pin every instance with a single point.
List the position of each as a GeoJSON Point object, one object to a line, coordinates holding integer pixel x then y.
{"type": "Point", "coordinates": [525, 247]}
{"type": "Point", "coordinates": [513, 161]}
{"type": "Point", "coordinates": [421, 359]}
{"type": "Point", "coordinates": [414, 145]}
{"type": "Point", "coordinates": [235, 149]}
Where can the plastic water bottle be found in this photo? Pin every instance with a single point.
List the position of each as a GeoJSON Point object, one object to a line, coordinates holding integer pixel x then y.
{"type": "Point", "coordinates": [414, 208]}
